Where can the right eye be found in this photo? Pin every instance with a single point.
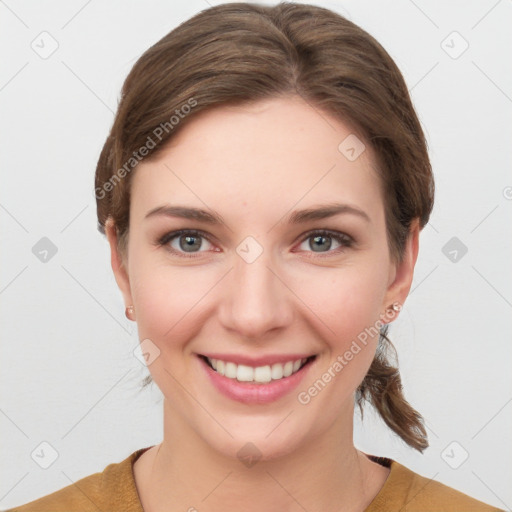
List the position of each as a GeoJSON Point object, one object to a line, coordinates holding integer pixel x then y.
{"type": "Point", "coordinates": [186, 239]}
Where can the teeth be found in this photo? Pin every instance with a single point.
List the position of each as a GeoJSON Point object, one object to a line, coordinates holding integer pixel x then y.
{"type": "Point", "coordinates": [230, 370]}
{"type": "Point", "coordinates": [244, 373]}
{"type": "Point", "coordinates": [277, 371]}
{"type": "Point", "coordinates": [262, 374]}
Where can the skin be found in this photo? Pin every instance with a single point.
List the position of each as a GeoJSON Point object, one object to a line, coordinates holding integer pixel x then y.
{"type": "Point", "coordinates": [255, 164]}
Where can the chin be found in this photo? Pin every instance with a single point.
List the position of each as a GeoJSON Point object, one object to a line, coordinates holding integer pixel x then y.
{"type": "Point", "coordinates": [250, 447]}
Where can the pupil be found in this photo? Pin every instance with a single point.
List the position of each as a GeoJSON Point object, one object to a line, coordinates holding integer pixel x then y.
{"type": "Point", "coordinates": [321, 238]}
{"type": "Point", "coordinates": [190, 242]}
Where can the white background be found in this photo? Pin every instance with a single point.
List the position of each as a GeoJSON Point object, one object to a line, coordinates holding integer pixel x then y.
{"type": "Point", "coordinates": [68, 373]}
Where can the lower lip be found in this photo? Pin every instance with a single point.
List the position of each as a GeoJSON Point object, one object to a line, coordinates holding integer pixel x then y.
{"type": "Point", "coordinates": [251, 393]}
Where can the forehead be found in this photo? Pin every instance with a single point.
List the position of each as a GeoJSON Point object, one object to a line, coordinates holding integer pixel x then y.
{"type": "Point", "coordinates": [270, 156]}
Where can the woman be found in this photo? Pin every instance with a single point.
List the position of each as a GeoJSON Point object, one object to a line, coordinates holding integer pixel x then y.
{"type": "Point", "coordinates": [262, 190]}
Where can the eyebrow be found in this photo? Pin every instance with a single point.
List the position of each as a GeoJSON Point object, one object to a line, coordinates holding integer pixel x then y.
{"type": "Point", "coordinates": [296, 217]}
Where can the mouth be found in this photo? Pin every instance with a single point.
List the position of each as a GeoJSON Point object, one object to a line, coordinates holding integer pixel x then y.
{"type": "Point", "coordinates": [257, 374]}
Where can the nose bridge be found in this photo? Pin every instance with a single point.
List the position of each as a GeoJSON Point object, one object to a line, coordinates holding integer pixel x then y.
{"type": "Point", "coordinates": [257, 297]}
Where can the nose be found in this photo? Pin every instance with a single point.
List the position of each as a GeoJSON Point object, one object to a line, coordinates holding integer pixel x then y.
{"type": "Point", "coordinates": [257, 300]}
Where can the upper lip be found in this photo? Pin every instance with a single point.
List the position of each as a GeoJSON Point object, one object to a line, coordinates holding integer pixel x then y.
{"type": "Point", "coordinates": [264, 360]}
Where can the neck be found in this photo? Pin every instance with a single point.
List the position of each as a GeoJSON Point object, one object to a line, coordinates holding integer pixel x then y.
{"type": "Point", "coordinates": [327, 473]}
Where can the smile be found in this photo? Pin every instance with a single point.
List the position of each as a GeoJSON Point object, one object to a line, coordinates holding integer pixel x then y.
{"type": "Point", "coordinates": [258, 383]}
{"type": "Point", "coordinates": [259, 374]}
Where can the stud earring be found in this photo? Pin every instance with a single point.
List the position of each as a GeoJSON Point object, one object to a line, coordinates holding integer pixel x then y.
{"type": "Point", "coordinates": [129, 312]}
{"type": "Point", "coordinates": [395, 307]}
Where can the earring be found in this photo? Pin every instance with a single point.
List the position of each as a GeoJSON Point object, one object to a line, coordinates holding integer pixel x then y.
{"type": "Point", "coordinates": [395, 307]}
{"type": "Point", "coordinates": [129, 312]}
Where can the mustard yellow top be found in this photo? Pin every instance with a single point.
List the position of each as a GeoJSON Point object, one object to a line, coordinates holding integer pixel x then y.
{"type": "Point", "coordinates": [114, 490]}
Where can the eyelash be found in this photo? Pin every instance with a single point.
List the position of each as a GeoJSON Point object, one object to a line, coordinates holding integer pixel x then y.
{"type": "Point", "coordinates": [345, 240]}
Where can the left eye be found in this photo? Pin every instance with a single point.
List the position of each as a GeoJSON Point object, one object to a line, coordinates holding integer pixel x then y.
{"type": "Point", "coordinates": [320, 239]}
{"type": "Point", "coordinates": [188, 240]}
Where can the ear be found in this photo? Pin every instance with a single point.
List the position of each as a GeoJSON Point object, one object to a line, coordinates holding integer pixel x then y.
{"type": "Point", "coordinates": [402, 273]}
{"type": "Point", "coordinates": [117, 263]}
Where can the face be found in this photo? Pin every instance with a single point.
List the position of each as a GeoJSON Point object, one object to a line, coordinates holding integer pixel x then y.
{"type": "Point", "coordinates": [262, 284]}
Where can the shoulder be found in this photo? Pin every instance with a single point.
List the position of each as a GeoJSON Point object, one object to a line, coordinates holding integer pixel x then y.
{"type": "Point", "coordinates": [112, 489]}
{"type": "Point", "coordinates": [408, 491]}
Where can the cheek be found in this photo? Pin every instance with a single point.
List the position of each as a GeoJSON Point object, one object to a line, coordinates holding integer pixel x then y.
{"type": "Point", "coordinates": [349, 312]}
{"type": "Point", "coordinates": [350, 326]}
{"type": "Point", "coordinates": [346, 300]}
{"type": "Point", "coordinates": [348, 309]}
{"type": "Point", "coordinates": [167, 301]}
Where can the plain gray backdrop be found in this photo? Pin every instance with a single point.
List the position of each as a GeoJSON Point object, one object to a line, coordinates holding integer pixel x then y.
{"type": "Point", "coordinates": [69, 376]}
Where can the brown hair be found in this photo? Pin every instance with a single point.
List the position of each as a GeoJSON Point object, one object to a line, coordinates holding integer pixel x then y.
{"type": "Point", "coordinates": [243, 52]}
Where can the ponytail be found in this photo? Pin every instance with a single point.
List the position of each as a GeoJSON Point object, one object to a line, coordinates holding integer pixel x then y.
{"type": "Point", "coordinates": [382, 388]}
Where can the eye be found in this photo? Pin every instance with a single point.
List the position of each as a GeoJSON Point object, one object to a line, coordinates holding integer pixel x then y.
{"type": "Point", "coordinates": [188, 240]}
{"type": "Point", "coordinates": [320, 239]}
